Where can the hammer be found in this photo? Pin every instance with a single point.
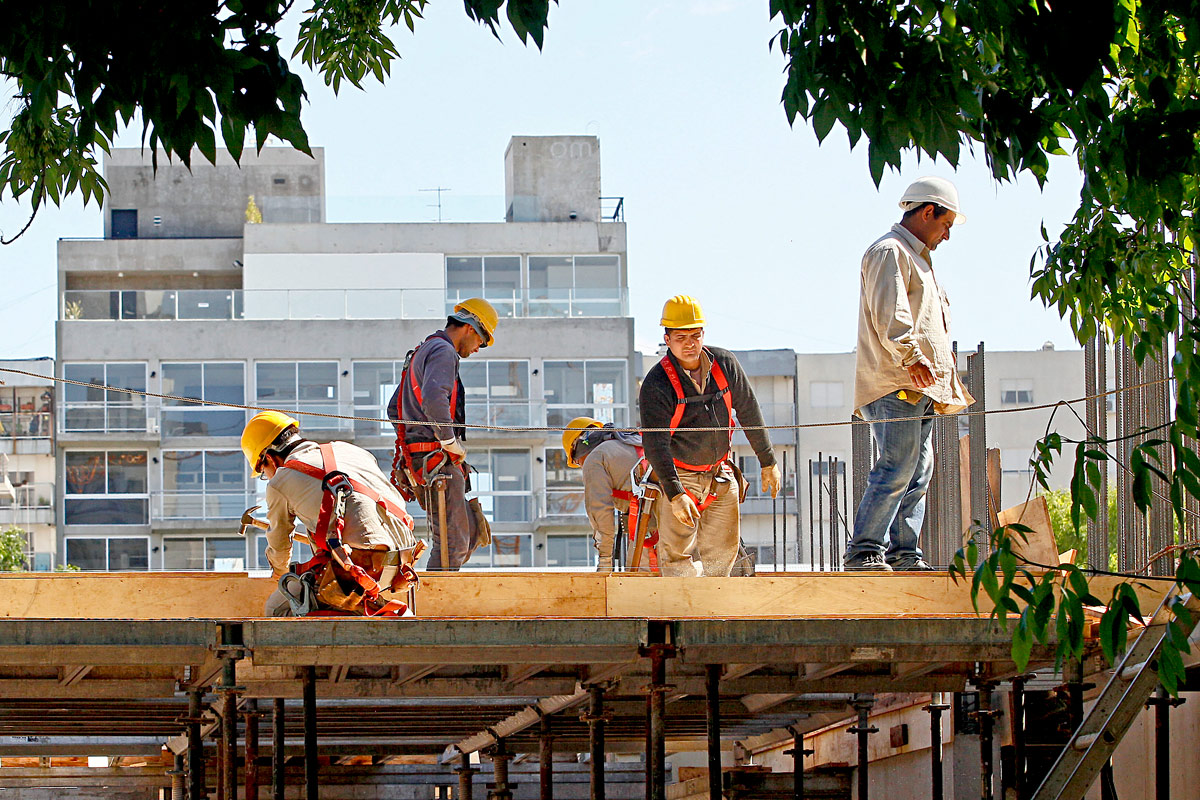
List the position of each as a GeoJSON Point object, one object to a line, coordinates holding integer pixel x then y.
{"type": "Point", "coordinates": [248, 521]}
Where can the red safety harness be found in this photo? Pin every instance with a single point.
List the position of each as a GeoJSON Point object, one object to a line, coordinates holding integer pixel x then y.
{"type": "Point", "coordinates": [404, 450]}
{"type": "Point", "coordinates": [635, 511]}
{"type": "Point", "coordinates": [681, 403]}
{"type": "Point", "coordinates": [326, 540]}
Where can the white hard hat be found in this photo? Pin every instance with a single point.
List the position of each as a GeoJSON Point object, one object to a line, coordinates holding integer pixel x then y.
{"type": "Point", "coordinates": [933, 190]}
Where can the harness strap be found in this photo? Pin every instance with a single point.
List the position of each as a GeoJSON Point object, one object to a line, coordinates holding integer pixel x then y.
{"type": "Point", "coordinates": [682, 401]}
{"type": "Point", "coordinates": [404, 450]}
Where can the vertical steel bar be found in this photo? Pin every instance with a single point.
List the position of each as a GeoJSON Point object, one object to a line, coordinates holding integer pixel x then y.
{"type": "Point", "coordinates": [251, 761]}
{"type": "Point", "coordinates": [656, 757]}
{"type": "Point", "coordinates": [863, 729]}
{"type": "Point", "coordinates": [546, 760]}
{"type": "Point", "coordinates": [774, 535]}
{"type": "Point", "coordinates": [197, 789]}
{"type": "Point", "coordinates": [783, 543]}
{"type": "Point", "coordinates": [812, 528]}
{"type": "Point", "coordinates": [712, 697]}
{"type": "Point", "coordinates": [977, 426]}
{"type": "Point", "coordinates": [986, 724]}
{"type": "Point", "coordinates": [935, 708]}
{"type": "Point", "coordinates": [1018, 734]}
{"type": "Point", "coordinates": [832, 465]}
{"type": "Point", "coordinates": [595, 721]}
{"type": "Point", "coordinates": [797, 753]}
{"type": "Point", "coordinates": [310, 733]}
{"type": "Point", "coordinates": [1162, 745]}
{"type": "Point", "coordinates": [229, 717]}
{"type": "Point", "coordinates": [278, 756]}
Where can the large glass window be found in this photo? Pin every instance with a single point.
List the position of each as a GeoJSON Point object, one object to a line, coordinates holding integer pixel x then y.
{"type": "Point", "coordinates": [1016, 391]}
{"type": "Point", "coordinates": [504, 484]}
{"type": "Point", "coordinates": [89, 409]}
{"type": "Point", "coordinates": [220, 381]}
{"type": "Point", "coordinates": [105, 488]}
{"type": "Point", "coordinates": [212, 553]}
{"type": "Point", "coordinates": [495, 278]}
{"type": "Point", "coordinates": [596, 389]}
{"type": "Point", "coordinates": [574, 286]}
{"type": "Point", "coordinates": [203, 484]}
{"type": "Point", "coordinates": [125, 553]}
{"type": "Point", "coordinates": [374, 383]}
{"type": "Point", "coordinates": [507, 551]}
{"type": "Point", "coordinates": [570, 551]}
{"type": "Point", "coordinates": [300, 386]}
{"type": "Point", "coordinates": [497, 392]}
{"type": "Point", "coordinates": [564, 486]}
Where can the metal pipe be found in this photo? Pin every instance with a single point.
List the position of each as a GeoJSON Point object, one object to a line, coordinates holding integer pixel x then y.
{"type": "Point", "coordinates": [712, 696]}
{"type": "Point", "coordinates": [595, 721]}
{"type": "Point", "coordinates": [465, 773]}
{"type": "Point", "coordinates": [278, 756]}
{"type": "Point", "coordinates": [177, 772]}
{"type": "Point", "coordinates": [862, 703]}
{"type": "Point", "coordinates": [935, 709]}
{"type": "Point", "coordinates": [500, 788]}
{"type": "Point", "coordinates": [1162, 745]}
{"type": "Point", "coordinates": [546, 762]}
{"type": "Point", "coordinates": [783, 543]}
{"type": "Point", "coordinates": [310, 732]}
{"type": "Point", "coordinates": [229, 750]}
{"type": "Point", "coordinates": [985, 741]}
{"type": "Point", "coordinates": [197, 790]}
{"type": "Point", "coordinates": [251, 767]}
{"type": "Point", "coordinates": [656, 754]}
{"type": "Point", "coordinates": [797, 753]}
{"type": "Point", "coordinates": [1018, 733]}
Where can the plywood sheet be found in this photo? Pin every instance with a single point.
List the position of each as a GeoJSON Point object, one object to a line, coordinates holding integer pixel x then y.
{"type": "Point", "coordinates": [473, 595]}
{"type": "Point", "coordinates": [132, 595]}
{"type": "Point", "coordinates": [1038, 546]}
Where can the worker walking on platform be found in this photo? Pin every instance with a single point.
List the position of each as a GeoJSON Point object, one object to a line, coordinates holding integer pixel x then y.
{"type": "Point", "coordinates": [697, 387]}
{"type": "Point", "coordinates": [302, 479]}
{"type": "Point", "coordinates": [612, 461]}
{"type": "Point", "coordinates": [430, 463]}
{"type": "Point", "coordinates": [904, 375]}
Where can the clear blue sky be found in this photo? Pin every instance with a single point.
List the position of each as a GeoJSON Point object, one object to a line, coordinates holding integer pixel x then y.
{"type": "Point", "coordinates": [723, 199]}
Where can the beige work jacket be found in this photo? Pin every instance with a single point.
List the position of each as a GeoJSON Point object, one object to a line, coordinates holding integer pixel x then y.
{"type": "Point", "coordinates": [904, 319]}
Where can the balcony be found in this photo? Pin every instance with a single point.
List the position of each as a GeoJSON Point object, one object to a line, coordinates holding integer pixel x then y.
{"type": "Point", "coordinates": [33, 505]}
{"type": "Point", "coordinates": [307, 304]}
{"type": "Point", "coordinates": [103, 417]}
{"type": "Point", "coordinates": [25, 432]}
{"type": "Point", "coordinates": [561, 505]}
{"type": "Point", "coordinates": [774, 414]}
{"type": "Point", "coordinates": [200, 507]}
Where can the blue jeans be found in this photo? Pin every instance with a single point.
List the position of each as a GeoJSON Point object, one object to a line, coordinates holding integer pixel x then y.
{"type": "Point", "coordinates": [893, 506]}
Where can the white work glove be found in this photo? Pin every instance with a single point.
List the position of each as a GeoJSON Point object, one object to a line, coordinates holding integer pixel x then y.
{"type": "Point", "coordinates": [771, 480]}
{"type": "Point", "coordinates": [685, 510]}
{"type": "Point", "coordinates": [454, 448]}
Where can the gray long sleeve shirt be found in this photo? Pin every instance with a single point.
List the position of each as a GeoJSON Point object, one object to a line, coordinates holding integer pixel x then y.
{"type": "Point", "coordinates": [435, 367]}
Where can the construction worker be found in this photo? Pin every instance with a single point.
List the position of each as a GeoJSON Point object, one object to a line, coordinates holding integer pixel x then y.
{"type": "Point", "coordinates": [904, 375]}
{"type": "Point", "coordinates": [611, 460]}
{"type": "Point", "coordinates": [430, 454]}
{"type": "Point", "coordinates": [377, 529]}
{"type": "Point", "coordinates": [694, 386]}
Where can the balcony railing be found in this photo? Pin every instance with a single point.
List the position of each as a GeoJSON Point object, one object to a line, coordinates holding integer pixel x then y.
{"type": "Point", "coordinates": [200, 506]}
{"type": "Point", "coordinates": [562, 503]}
{"type": "Point", "coordinates": [103, 417]}
{"type": "Point", "coordinates": [25, 424]}
{"type": "Point", "coordinates": [33, 505]}
{"type": "Point", "coordinates": [304, 304]}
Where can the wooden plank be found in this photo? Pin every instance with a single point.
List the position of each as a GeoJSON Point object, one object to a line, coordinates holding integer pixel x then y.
{"type": "Point", "coordinates": [1039, 546]}
{"type": "Point", "coordinates": [467, 596]}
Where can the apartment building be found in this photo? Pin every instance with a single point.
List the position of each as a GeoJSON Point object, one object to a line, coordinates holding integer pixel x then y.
{"type": "Point", "coordinates": [27, 456]}
{"type": "Point", "coordinates": [186, 298]}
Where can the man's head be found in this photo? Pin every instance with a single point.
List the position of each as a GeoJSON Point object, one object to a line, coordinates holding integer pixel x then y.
{"type": "Point", "coordinates": [472, 326]}
{"type": "Point", "coordinates": [931, 208]}
{"type": "Point", "coordinates": [267, 439]}
{"type": "Point", "coordinates": [683, 329]}
{"type": "Point", "coordinates": [575, 440]}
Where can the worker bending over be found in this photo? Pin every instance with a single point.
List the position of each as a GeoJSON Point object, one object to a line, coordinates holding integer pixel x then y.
{"type": "Point", "coordinates": [611, 460]}
{"type": "Point", "coordinates": [430, 454]}
{"type": "Point", "coordinates": [375, 527]}
{"type": "Point", "coordinates": [694, 386]}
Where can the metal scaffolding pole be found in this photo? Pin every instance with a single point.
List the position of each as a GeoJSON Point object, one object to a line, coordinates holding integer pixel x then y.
{"type": "Point", "coordinates": [656, 731]}
{"type": "Point", "coordinates": [229, 719]}
{"type": "Point", "coordinates": [595, 718]}
{"type": "Point", "coordinates": [251, 762]}
{"type": "Point", "coordinates": [197, 788]}
{"type": "Point", "coordinates": [712, 696]}
{"type": "Point", "coordinates": [278, 756]}
{"type": "Point", "coordinates": [465, 775]}
{"type": "Point", "coordinates": [862, 704]}
{"type": "Point", "coordinates": [986, 728]}
{"type": "Point", "coordinates": [310, 733]}
{"type": "Point", "coordinates": [935, 709]}
{"type": "Point", "coordinates": [545, 760]}
{"type": "Point", "coordinates": [501, 789]}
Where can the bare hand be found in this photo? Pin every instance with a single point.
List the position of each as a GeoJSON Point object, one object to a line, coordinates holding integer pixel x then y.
{"type": "Point", "coordinates": [771, 480]}
{"type": "Point", "coordinates": [685, 510]}
{"type": "Point", "coordinates": [921, 375]}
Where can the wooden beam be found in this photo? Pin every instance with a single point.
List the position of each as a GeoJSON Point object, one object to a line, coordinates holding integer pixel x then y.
{"type": "Point", "coordinates": [402, 676]}
{"type": "Point", "coordinates": [734, 671]}
{"type": "Point", "coordinates": [815, 672]}
{"type": "Point", "coordinates": [338, 673]}
{"type": "Point", "coordinates": [69, 676]}
{"type": "Point", "coordinates": [515, 675]}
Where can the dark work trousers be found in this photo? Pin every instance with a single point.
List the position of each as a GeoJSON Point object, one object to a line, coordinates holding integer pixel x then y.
{"type": "Point", "coordinates": [461, 531]}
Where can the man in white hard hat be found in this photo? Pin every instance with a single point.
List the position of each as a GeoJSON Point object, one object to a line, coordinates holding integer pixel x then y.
{"type": "Point", "coordinates": [904, 375]}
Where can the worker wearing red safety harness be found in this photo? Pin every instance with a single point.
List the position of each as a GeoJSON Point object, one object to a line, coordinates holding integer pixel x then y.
{"type": "Point", "coordinates": [360, 533]}
{"type": "Point", "coordinates": [694, 386]}
{"type": "Point", "coordinates": [612, 461]}
{"type": "Point", "coordinates": [428, 410]}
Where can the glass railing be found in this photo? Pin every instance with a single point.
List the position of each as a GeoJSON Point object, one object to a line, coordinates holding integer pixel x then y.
{"type": "Point", "coordinates": [28, 496]}
{"type": "Point", "coordinates": [25, 424]}
{"type": "Point", "coordinates": [562, 501]}
{"type": "Point", "coordinates": [102, 417]}
{"type": "Point", "coordinates": [299, 304]}
{"type": "Point", "coordinates": [201, 506]}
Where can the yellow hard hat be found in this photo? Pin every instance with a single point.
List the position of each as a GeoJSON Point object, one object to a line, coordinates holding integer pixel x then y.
{"type": "Point", "coordinates": [480, 315]}
{"type": "Point", "coordinates": [682, 311]}
{"type": "Point", "coordinates": [260, 431]}
{"type": "Point", "coordinates": [575, 429]}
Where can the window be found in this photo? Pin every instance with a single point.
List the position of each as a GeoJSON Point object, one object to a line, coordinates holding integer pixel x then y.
{"type": "Point", "coordinates": [564, 486]}
{"type": "Point", "coordinates": [123, 553]}
{"type": "Point", "coordinates": [222, 382]}
{"type": "Point", "coordinates": [570, 551]}
{"type": "Point", "coordinates": [89, 409]}
{"type": "Point", "coordinates": [821, 469]}
{"type": "Point", "coordinates": [1015, 391]}
{"type": "Point", "coordinates": [496, 278]}
{"type": "Point", "coordinates": [753, 474]}
{"type": "Point", "coordinates": [124, 223]}
{"type": "Point", "coordinates": [826, 394]}
{"type": "Point", "coordinates": [506, 551]}
{"type": "Point", "coordinates": [300, 551]}
{"type": "Point", "coordinates": [575, 286]}
{"type": "Point", "coordinates": [497, 392]}
{"type": "Point", "coordinates": [596, 389]}
{"type": "Point", "coordinates": [300, 386]}
{"type": "Point", "coordinates": [374, 382]}
{"type": "Point", "coordinates": [105, 488]}
{"type": "Point", "coordinates": [203, 484]}
{"type": "Point", "coordinates": [504, 484]}
{"type": "Point", "coordinates": [212, 553]}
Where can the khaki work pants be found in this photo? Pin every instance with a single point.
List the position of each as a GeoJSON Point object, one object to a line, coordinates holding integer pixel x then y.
{"type": "Point", "coordinates": [709, 548]}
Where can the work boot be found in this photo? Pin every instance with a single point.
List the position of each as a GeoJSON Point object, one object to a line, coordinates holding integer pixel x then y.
{"type": "Point", "coordinates": [871, 562]}
{"type": "Point", "coordinates": [913, 564]}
